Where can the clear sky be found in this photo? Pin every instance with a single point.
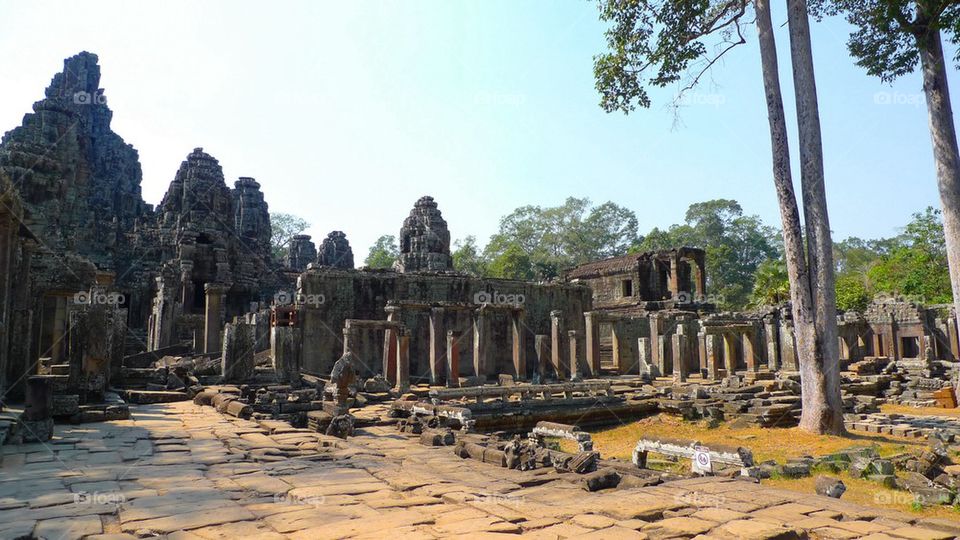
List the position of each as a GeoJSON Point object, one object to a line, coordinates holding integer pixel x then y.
{"type": "Point", "coordinates": [347, 112]}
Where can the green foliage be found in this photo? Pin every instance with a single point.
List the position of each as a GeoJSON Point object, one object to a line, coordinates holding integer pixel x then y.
{"type": "Point", "coordinates": [468, 258]}
{"type": "Point", "coordinates": [735, 245]}
{"type": "Point", "coordinates": [917, 267]}
{"type": "Point", "coordinates": [771, 284]}
{"type": "Point", "coordinates": [383, 253]}
{"type": "Point", "coordinates": [852, 294]}
{"type": "Point", "coordinates": [653, 43]}
{"type": "Point", "coordinates": [283, 227]}
{"type": "Point", "coordinates": [512, 263]}
{"type": "Point", "coordinates": [543, 241]}
{"type": "Point", "coordinates": [887, 35]}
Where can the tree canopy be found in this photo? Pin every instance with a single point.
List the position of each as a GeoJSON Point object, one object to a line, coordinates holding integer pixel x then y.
{"type": "Point", "coordinates": [383, 253]}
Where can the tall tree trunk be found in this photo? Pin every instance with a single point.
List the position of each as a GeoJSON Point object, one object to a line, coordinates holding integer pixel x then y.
{"type": "Point", "coordinates": [945, 154]}
{"type": "Point", "coordinates": [800, 296]}
{"type": "Point", "coordinates": [819, 367]}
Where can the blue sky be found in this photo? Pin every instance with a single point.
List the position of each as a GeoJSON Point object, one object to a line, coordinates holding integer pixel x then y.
{"type": "Point", "coordinates": [347, 112]}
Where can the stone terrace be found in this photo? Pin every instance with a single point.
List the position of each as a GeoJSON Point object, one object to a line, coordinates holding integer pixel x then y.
{"type": "Point", "coordinates": [180, 471]}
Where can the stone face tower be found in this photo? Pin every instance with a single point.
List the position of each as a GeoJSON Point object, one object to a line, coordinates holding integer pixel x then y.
{"type": "Point", "coordinates": [301, 252]}
{"type": "Point", "coordinates": [335, 251]}
{"type": "Point", "coordinates": [424, 240]}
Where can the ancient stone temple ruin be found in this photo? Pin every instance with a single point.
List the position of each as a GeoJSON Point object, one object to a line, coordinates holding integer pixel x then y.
{"type": "Point", "coordinates": [164, 357]}
{"type": "Point", "coordinates": [335, 251]}
{"type": "Point", "coordinates": [424, 240]}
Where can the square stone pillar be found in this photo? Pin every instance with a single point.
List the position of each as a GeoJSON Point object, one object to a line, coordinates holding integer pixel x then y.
{"type": "Point", "coordinates": [517, 326]}
{"type": "Point", "coordinates": [713, 355]}
{"type": "Point", "coordinates": [749, 350]}
{"type": "Point", "coordinates": [437, 346]}
{"type": "Point", "coordinates": [647, 367]}
{"type": "Point", "coordinates": [541, 345]}
{"type": "Point", "coordinates": [390, 345]}
{"type": "Point", "coordinates": [556, 344]}
{"type": "Point", "coordinates": [403, 361]}
{"type": "Point", "coordinates": [773, 352]}
{"type": "Point", "coordinates": [574, 369]}
{"type": "Point", "coordinates": [679, 357]}
{"type": "Point", "coordinates": [674, 284]}
{"type": "Point", "coordinates": [663, 355]}
{"type": "Point", "coordinates": [481, 342]}
{"type": "Point", "coordinates": [702, 352]}
{"type": "Point", "coordinates": [953, 338]}
{"type": "Point", "coordinates": [730, 353]}
{"type": "Point", "coordinates": [592, 337]}
{"type": "Point", "coordinates": [213, 316]}
{"type": "Point", "coordinates": [453, 359]}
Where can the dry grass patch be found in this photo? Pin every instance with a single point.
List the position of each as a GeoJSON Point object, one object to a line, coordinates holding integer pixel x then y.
{"type": "Point", "coordinates": [779, 444]}
{"type": "Point", "coordinates": [919, 411]}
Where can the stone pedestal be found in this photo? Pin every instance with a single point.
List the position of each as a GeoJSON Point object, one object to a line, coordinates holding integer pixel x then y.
{"type": "Point", "coordinates": [284, 349]}
{"type": "Point", "coordinates": [213, 316]}
{"type": "Point", "coordinates": [237, 360]}
{"type": "Point", "coordinates": [36, 422]}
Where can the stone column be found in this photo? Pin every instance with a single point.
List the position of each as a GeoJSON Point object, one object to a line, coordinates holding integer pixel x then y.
{"type": "Point", "coordinates": [541, 345]}
{"type": "Point", "coordinates": [770, 338]}
{"type": "Point", "coordinates": [663, 352]}
{"type": "Point", "coordinates": [403, 361]}
{"type": "Point", "coordinates": [645, 358]}
{"type": "Point", "coordinates": [679, 357]}
{"type": "Point", "coordinates": [481, 339]}
{"type": "Point", "coordinates": [674, 283]}
{"type": "Point", "coordinates": [59, 334]}
{"type": "Point", "coordinates": [453, 359]}
{"type": "Point", "coordinates": [749, 351]}
{"type": "Point", "coordinates": [953, 338]}
{"type": "Point", "coordinates": [518, 325]}
{"type": "Point", "coordinates": [437, 346]}
{"type": "Point", "coordinates": [574, 368]}
{"type": "Point", "coordinates": [702, 352]}
{"type": "Point", "coordinates": [213, 316]}
{"type": "Point", "coordinates": [592, 336]}
{"type": "Point", "coordinates": [730, 353]}
{"type": "Point", "coordinates": [556, 346]}
{"type": "Point", "coordinates": [701, 280]}
{"type": "Point", "coordinates": [390, 345]}
{"type": "Point", "coordinates": [713, 356]}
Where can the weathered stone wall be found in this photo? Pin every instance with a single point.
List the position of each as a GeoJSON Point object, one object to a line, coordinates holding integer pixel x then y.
{"type": "Point", "coordinates": [329, 297]}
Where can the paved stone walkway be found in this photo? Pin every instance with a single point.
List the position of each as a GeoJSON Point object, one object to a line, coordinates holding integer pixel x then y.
{"type": "Point", "coordinates": [184, 472]}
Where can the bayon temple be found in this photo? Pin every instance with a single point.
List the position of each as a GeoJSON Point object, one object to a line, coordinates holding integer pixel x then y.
{"type": "Point", "coordinates": [109, 303]}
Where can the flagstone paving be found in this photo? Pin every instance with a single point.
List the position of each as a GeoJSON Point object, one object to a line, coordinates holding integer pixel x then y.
{"type": "Point", "coordinates": [184, 472]}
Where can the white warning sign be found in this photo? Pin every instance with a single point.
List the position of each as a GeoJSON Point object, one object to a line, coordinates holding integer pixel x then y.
{"type": "Point", "coordinates": [701, 460]}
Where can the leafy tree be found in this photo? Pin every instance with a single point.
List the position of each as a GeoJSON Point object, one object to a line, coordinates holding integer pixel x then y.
{"type": "Point", "coordinates": [468, 258]}
{"type": "Point", "coordinates": [655, 43]}
{"type": "Point", "coordinates": [383, 253]}
{"type": "Point", "coordinates": [560, 237]}
{"type": "Point", "coordinates": [890, 39]}
{"type": "Point", "coordinates": [735, 245]}
{"type": "Point", "coordinates": [917, 267]}
{"type": "Point", "coordinates": [283, 227]}
{"type": "Point", "coordinates": [512, 263]}
{"type": "Point", "coordinates": [852, 294]}
{"type": "Point", "coordinates": [771, 286]}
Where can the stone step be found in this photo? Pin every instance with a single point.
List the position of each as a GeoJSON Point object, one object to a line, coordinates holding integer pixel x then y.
{"type": "Point", "coordinates": [144, 397]}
